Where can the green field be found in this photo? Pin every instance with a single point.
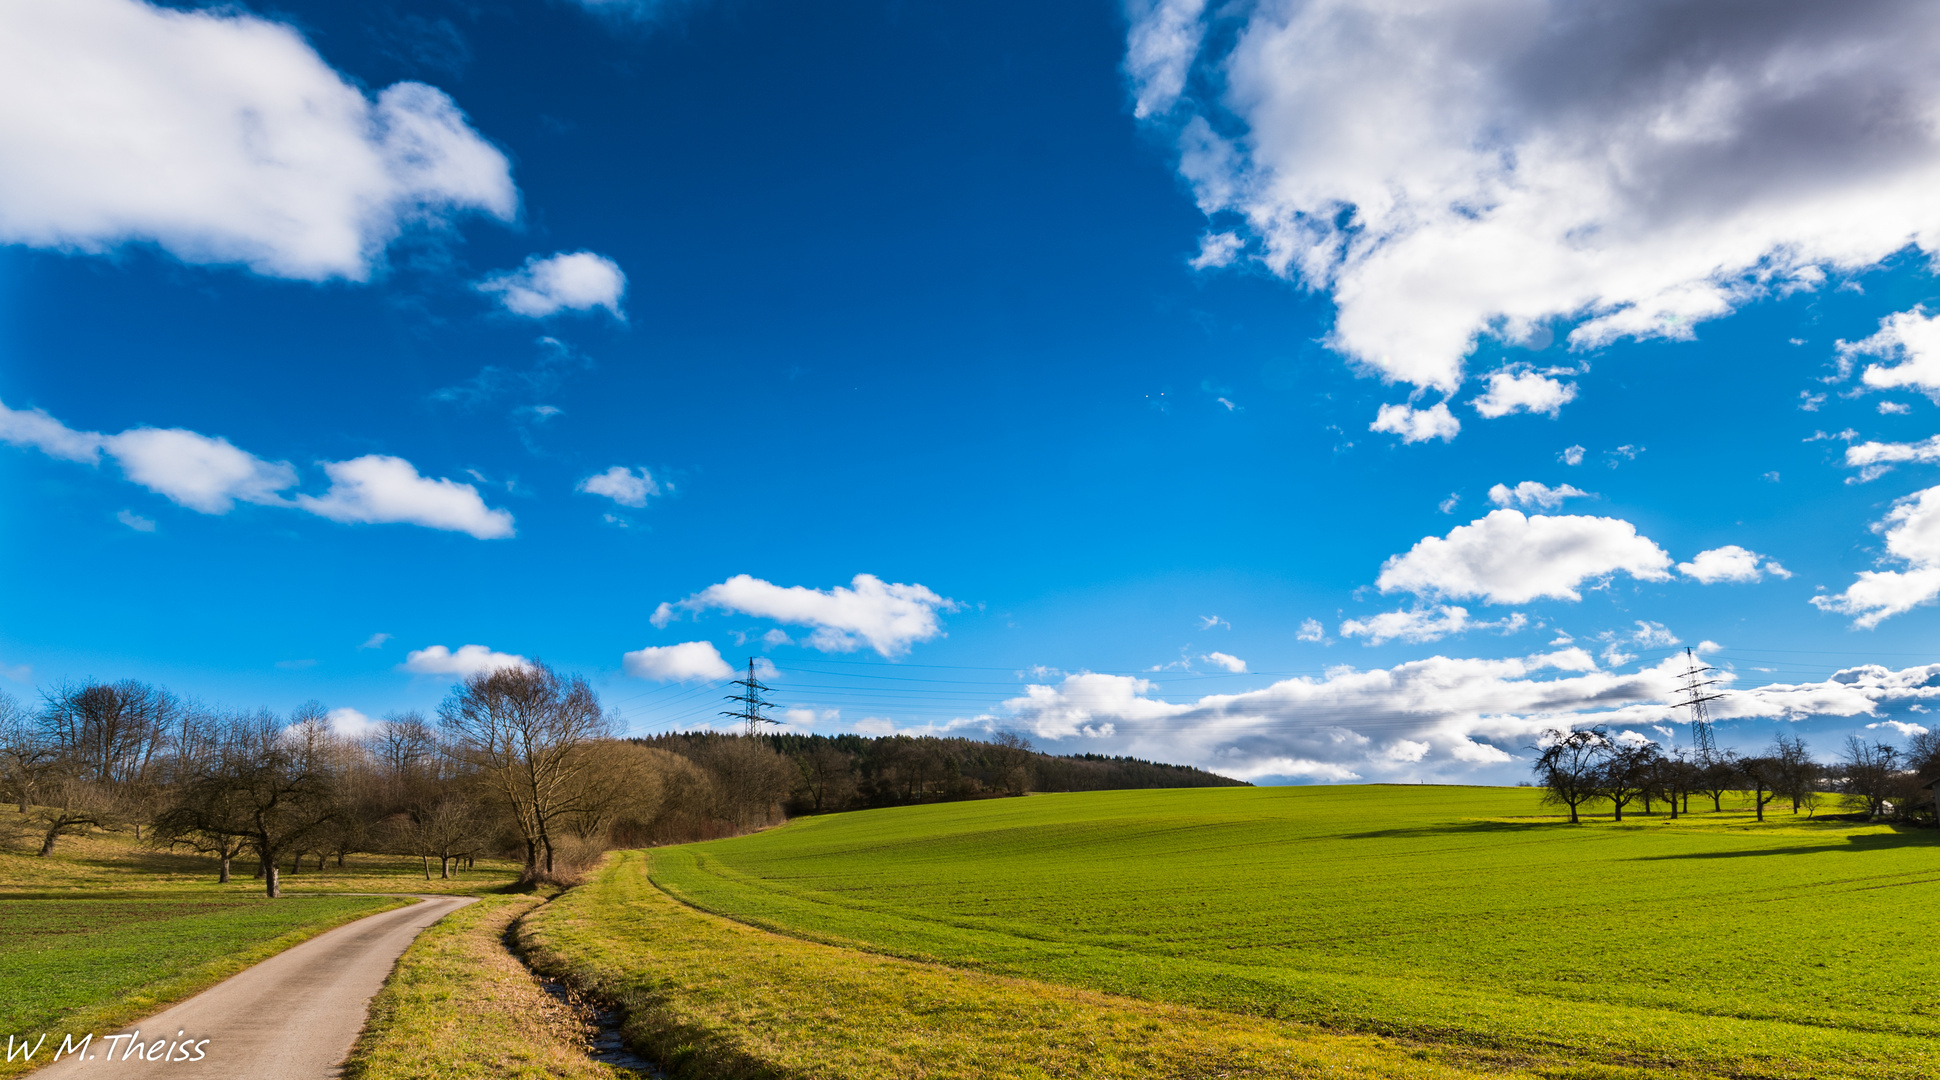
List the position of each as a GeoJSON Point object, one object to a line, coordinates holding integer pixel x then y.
{"type": "Point", "coordinates": [1451, 915]}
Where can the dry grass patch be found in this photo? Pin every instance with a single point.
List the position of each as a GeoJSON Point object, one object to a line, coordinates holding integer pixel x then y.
{"type": "Point", "coordinates": [460, 1005]}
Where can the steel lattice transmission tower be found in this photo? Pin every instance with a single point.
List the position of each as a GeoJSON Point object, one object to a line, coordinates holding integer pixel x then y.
{"type": "Point", "coordinates": [754, 709]}
{"type": "Point", "coordinates": [1695, 692]}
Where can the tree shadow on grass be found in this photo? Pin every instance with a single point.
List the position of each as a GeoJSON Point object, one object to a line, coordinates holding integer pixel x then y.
{"type": "Point", "coordinates": [1456, 828]}
{"type": "Point", "coordinates": [1854, 845]}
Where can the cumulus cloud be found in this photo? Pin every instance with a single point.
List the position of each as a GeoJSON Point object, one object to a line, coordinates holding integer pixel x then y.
{"type": "Point", "coordinates": [1311, 630]}
{"type": "Point", "coordinates": [1451, 170]}
{"type": "Point", "coordinates": [1507, 558]}
{"type": "Point", "coordinates": [567, 281]}
{"type": "Point", "coordinates": [1417, 425]}
{"type": "Point", "coordinates": [469, 660]}
{"type": "Point", "coordinates": [33, 429]}
{"type": "Point", "coordinates": [1425, 624]}
{"type": "Point", "coordinates": [1226, 661]}
{"type": "Point", "coordinates": [887, 618]}
{"type": "Point", "coordinates": [1731, 563]}
{"type": "Point", "coordinates": [685, 662]}
{"type": "Point", "coordinates": [1216, 250]}
{"type": "Point", "coordinates": [349, 722]}
{"type": "Point", "coordinates": [1900, 726]}
{"type": "Point", "coordinates": [1571, 455]}
{"type": "Point", "coordinates": [1876, 459]}
{"type": "Point", "coordinates": [1441, 716]}
{"type": "Point", "coordinates": [197, 471]}
{"type": "Point", "coordinates": [378, 489]}
{"type": "Point", "coordinates": [1912, 532]}
{"type": "Point", "coordinates": [1523, 391]}
{"type": "Point", "coordinates": [210, 474]}
{"type": "Point", "coordinates": [1530, 493]}
{"type": "Point", "coordinates": [221, 137]}
{"type": "Point", "coordinates": [1909, 338]}
{"type": "Point", "coordinates": [622, 485]}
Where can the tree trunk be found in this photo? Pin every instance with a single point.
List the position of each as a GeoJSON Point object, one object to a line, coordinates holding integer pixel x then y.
{"type": "Point", "coordinates": [224, 880]}
{"type": "Point", "coordinates": [444, 866]}
{"type": "Point", "coordinates": [47, 845]}
{"type": "Point", "coordinates": [1758, 795]}
{"type": "Point", "coordinates": [427, 866]}
{"type": "Point", "coordinates": [320, 857]}
{"type": "Point", "coordinates": [272, 885]}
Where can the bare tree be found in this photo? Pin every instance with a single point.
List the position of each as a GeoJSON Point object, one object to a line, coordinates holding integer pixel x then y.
{"type": "Point", "coordinates": [449, 829]}
{"type": "Point", "coordinates": [27, 755]}
{"type": "Point", "coordinates": [1570, 767]}
{"type": "Point", "coordinates": [261, 789]}
{"type": "Point", "coordinates": [523, 727]}
{"type": "Point", "coordinates": [1796, 775]}
{"type": "Point", "coordinates": [1871, 770]}
{"type": "Point", "coordinates": [1011, 754]}
{"type": "Point", "coordinates": [1628, 771]}
{"type": "Point", "coordinates": [1763, 774]}
{"type": "Point", "coordinates": [68, 802]}
{"type": "Point", "coordinates": [110, 732]}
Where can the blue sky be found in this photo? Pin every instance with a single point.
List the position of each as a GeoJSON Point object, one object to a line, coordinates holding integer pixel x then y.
{"type": "Point", "coordinates": [1153, 367]}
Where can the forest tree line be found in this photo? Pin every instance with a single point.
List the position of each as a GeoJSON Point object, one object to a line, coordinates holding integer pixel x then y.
{"type": "Point", "coordinates": [522, 762]}
{"type": "Point", "coordinates": [1591, 769]}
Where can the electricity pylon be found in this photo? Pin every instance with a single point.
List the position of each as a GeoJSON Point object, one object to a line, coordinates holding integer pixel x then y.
{"type": "Point", "coordinates": [1695, 692]}
{"type": "Point", "coordinates": [753, 710]}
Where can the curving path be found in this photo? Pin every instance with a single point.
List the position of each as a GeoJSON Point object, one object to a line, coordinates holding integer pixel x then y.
{"type": "Point", "coordinates": [291, 1017]}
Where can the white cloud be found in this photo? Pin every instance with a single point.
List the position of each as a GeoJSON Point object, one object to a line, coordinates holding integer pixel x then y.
{"type": "Point", "coordinates": [221, 137]}
{"type": "Point", "coordinates": [1912, 531]}
{"type": "Point", "coordinates": [1571, 455]}
{"type": "Point", "coordinates": [567, 281]}
{"type": "Point", "coordinates": [375, 641]}
{"type": "Point", "coordinates": [1530, 493]}
{"type": "Point", "coordinates": [1207, 622]}
{"type": "Point", "coordinates": [685, 662]}
{"type": "Point", "coordinates": [1654, 635]}
{"type": "Point", "coordinates": [34, 429]}
{"type": "Point", "coordinates": [210, 474]}
{"type": "Point", "coordinates": [135, 521]}
{"type": "Point", "coordinates": [1876, 459]}
{"type": "Point", "coordinates": [1894, 408]}
{"type": "Point", "coordinates": [197, 471]}
{"type": "Point", "coordinates": [1311, 630]}
{"type": "Point", "coordinates": [467, 661]}
{"type": "Point", "coordinates": [622, 485]}
{"type": "Point", "coordinates": [349, 722]}
{"type": "Point", "coordinates": [1523, 391]}
{"type": "Point", "coordinates": [1474, 715]}
{"type": "Point", "coordinates": [1164, 39]}
{"type": "Point", "coordinates": [1450, 170]}
{"type": "Point", "coordinates": [1731, 563]}
{"type": "Point", "coordinates": [1900, 726]}
{"type": "Point", "coordinates": [888, 618]}
{"type": "Point", "coordinates": [1506, 558]}
{"type": "Point", "coordinates": [378, 489]}
{"type": "Point", "coordinates": [1216, 250]}
{"type": "Point", "coordinates": [1225, 660]}
{"type": "Point", "coordinates": [1425, 624]}
{"type": "Point", "coordinates": [1912, 340]}
{"type": "Point", "coordinates": [1417, 425]}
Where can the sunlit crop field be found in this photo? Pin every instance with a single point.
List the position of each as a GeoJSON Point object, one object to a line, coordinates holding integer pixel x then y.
{"type": "Point", "coordinates": [1448, 914]}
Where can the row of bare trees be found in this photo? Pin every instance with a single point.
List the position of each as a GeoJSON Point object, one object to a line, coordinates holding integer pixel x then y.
{"type": "Point", "coordinates": [1592, 767]}
{"type": "Point", "coordinates": [520, 761]}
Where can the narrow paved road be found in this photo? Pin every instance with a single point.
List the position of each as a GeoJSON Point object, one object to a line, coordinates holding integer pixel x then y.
{"type": "Point", "coordinates": [291, 1017]}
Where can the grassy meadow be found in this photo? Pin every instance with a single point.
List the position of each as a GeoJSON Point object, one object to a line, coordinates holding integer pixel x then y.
{"type": "Point", "coordinates": [106, 931]}
{"type": "Point", "coordinates": [1454, 917]}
